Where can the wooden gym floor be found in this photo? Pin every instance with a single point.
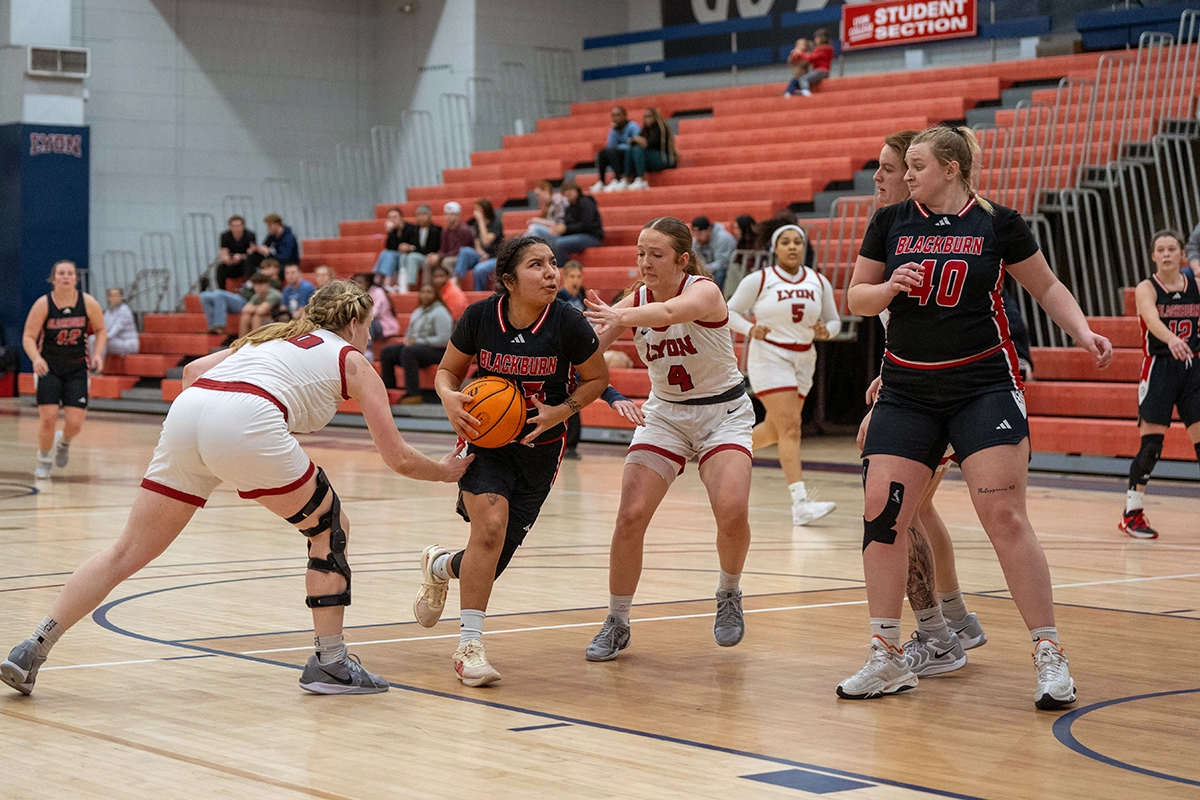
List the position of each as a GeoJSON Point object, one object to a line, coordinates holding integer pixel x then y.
{"type": "Point", "coordinates": [184, 682]}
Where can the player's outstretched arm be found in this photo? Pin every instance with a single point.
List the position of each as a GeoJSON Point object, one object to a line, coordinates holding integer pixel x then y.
{"type": "Point", "coordinates": [1034, 274]}
{"type": "Point", "coordinates": [701, 301]}
{"type": "Point", "coordinates": [598, 313]}
{"type": "Point", "coordinates": [365, 386]}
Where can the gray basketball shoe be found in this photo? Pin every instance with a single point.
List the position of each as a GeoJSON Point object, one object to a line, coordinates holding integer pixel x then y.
{"type": "Point", "coordinates": [347, 676]}
{"type": "Point", "coordinates": [928, 656]}
{"type": "Point", "coordinates": [612, 639]}
{"type": "Point", "coordinates": [730, 626]}
{"type": "Point", "coordinates": [20, 669]}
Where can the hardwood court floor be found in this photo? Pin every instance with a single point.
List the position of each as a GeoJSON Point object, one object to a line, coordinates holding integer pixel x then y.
{"type": "Point", "coordinates": [184, 683]}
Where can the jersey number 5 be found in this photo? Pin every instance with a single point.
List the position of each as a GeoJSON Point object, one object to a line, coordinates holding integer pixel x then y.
{"type": "Point", "coordinates": [678, 376]}
{"type": "Point", "coordinates": [797, 312]}
{"type": "Point", "coordinates": [950, 284]}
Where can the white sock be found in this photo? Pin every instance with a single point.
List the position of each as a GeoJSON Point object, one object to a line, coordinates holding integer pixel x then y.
{"type": "Point", "coordinates": [619, 605]}
{"type": "Point", "coordinates": [330, 649]}
{"type": "Point", "coordinates": [932, 622]}
{"type": "Point", "coordinates": [441, 567]}
{"type": "Point", "coordinates": [1134, 500]}
{"type": "Point", "coordinates": [887, 629]}
{"type": "Point", "coordinates": [953, 605]}
{"type": "Point", "coordinates": [1038, 634]}
{"type": "Point", "coordinates": [470, 626]}
{"type": "Point", "coordinates": [799, 495]}
{"type": "Point", "coordinates": [43, 456]}
{"type": "Point", "coordinates": [729, 583]}
{"type": "Point", "coordinates": [47, 634]}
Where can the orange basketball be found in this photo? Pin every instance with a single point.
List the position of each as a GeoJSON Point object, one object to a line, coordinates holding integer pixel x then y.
{"type": "Point", "coordinates": [500, 408]}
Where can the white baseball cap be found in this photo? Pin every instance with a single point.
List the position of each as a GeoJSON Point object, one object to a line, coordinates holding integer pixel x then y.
{"type": "Point", "coordinates": [452, 208]}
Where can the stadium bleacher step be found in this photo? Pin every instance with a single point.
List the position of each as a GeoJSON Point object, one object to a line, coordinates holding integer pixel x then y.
{"type": "Point", "coordinates": [142, 393]}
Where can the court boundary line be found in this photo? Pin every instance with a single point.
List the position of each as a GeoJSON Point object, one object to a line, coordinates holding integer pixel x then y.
{"type": "Point", "coordinates": [100, 617]}
{"type": "Point", "coordinates": [1066, 737]}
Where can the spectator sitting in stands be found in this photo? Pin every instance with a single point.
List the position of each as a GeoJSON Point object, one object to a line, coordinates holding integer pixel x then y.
{"type": "Point", "coordinates": [120, 325]}
{"type": "Point", "coordinates": [384, 324]}
{"type": "Point", "coordinates": [455, 236]}
{"type": "Point", "coordinates": [551, 207]}
{"type": "Point", "coordinates": [280, 243]}
{"type": "Point", "coordinates": [819, 59]}
{"type": "Point", "coordinates": [714, 245]}
{"type": "Point", "coordinates": [572, 291]}
{"type": "Point", "coordinates": [741, 229]}
{"type": "Point", "coordinates": [425, 342]}
{"type": "Point", "coordinates": [296, 292]}
{"type": "Point", "coordinates": [323, 275]}
{"type": "Point", "coordinates": [218, 304]}
{"type": "Point", "coordinates": [617, 359]}
{"type": "Point", "coordinates": [388, 262]}
{"type": "Point", "coordinates": [613, 155]}
{"type": "Point", "coordinates": [261, 305]}
{"type": "Point", "coordinates": [653, 150]}
{"type": "Point", "coordinates": [238, 257]}
{"type": "Point", "coordinates": [480, 258]}
{"type": "Point", "coordinates": [581, 227]}
{"type": "Point", "coordinates": [450, 293]}
{"type": "Point", "coordinates": [426, 238]}
{"type": "Point", "coordinates": [799, 66]}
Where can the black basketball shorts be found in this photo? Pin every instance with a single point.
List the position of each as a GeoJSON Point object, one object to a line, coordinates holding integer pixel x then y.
{"type": "Point", "coordinates": [522, 475]}
{"type": "Point", "coordinates": [64, 386]}
{"type": "Point", "coordinates": [1168, 383]}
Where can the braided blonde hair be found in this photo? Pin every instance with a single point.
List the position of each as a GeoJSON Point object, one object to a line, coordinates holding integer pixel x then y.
{"type": "Point", "coordinates": [332, 307]}
{"type": "Point", "coordinates": [959, 144]}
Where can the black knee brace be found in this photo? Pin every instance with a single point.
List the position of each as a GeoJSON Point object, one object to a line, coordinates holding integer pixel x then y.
{"type": "Point", "coordinates": [330, 521]}
{"type": "Point", "coordinates": [1144, 461]}
{"type": "Point", "coordinates": [882, 529]}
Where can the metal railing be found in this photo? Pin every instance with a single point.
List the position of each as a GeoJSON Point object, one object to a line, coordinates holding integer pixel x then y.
{"type": "Point", "coordinates": [837, 250]}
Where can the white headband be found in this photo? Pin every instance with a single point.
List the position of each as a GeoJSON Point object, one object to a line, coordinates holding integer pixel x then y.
{"type": "Point", "coordinates": [775, 236]}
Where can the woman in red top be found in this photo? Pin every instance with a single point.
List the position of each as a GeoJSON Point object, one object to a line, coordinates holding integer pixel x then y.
{"type": "Point", "coordinates": [819, 59]}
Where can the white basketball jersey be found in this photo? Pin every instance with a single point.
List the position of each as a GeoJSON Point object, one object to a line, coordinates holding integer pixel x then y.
{"type": "Point", "coordinates": [790, 305]}
{"type": "Point", "coordinates": [306, 375]}
{"type": "Point", "coordinates": [687, 360]}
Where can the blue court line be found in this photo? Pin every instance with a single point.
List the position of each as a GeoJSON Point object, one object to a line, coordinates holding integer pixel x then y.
{"type": "Point", "coordinates": [541, 727]}
{"type": "Point", "coordinates": [1062, 732]}
{"type": "Point", "coordinates": [100, 617]}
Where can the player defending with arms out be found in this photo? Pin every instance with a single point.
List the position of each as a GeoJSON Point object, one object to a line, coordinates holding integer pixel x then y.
{"type": "Point", "coordinates": [55, 339]}
{"type": "Point", "coordinates": [234, 422]}
{"type": "Point", "coordinates": [937, 262]}
{"type": "Point", "coordinates": [524, 333]}
{"type": "Point", "coordinates": [792, 307]}
{"type": "Point", "coordinates": [1168, 305]}
{"type": "Point", "coordinates": [698, 408]}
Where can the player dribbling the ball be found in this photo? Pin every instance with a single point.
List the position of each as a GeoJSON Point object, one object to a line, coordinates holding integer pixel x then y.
{"type": "Point", "coordinates": [527, 335]}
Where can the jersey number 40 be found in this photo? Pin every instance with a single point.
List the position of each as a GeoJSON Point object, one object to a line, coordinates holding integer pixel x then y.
{"type": "Point", "coordinates": [950, 282]}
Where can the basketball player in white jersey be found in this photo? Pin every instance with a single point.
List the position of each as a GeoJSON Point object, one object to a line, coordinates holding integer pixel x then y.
{"type": "Point", "coordinates": [698, 408]}
{"type": "Point", "coordinates": [234, 423]}
{"type": "Point", "coordinates": [792, 307]}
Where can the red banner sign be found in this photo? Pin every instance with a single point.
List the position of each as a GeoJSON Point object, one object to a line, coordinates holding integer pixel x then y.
{"type": "Point", "coordinates": [893, 22]}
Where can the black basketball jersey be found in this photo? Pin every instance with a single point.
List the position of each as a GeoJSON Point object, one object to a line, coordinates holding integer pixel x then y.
{"type": "Point", "coordinates": [540, 358]}
{"type": "Point", "coordinates": [1179, 311]}
{"type": "Point", "coordinates": [64, 333]}
{"type": "Point", "coordinates": [957, 313]}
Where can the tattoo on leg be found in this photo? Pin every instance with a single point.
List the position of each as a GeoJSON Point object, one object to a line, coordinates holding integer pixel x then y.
{"type": "Point", "coordinates": [983, 490]}
{"type": "Point", "coordinates": [920, 571]}
{"type": "Point", "coordinates": [493, 499]}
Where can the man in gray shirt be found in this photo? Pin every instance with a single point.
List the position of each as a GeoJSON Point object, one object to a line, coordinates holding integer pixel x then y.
{"type": "Point", "coordinates": [714, 245]}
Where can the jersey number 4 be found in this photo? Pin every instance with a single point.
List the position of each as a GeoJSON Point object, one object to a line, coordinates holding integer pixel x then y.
{"type": "Point", "coordinates": [950, 284]}
{"type": "Point", "coordinates": [68, 337]}
{"type": "Point", "coordinates": [678, 376]}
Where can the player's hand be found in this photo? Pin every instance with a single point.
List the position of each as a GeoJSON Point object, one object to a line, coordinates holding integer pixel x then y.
{"type": "Point", "coordinates": [1099, 347]}
{"type": "Point", "coordinates": [905, 278]}
{"type": "Point", "coordinates": [454, 463]}
{"type": "Point", "coordinates": [463, 423]}
{"type": "Point", "coordinates": [820, 332]}
{"type": "Point", "coordinates": [546, 418]}
{"type": "Point", "coordinates": [603, 317]}
{"type": "Point", "coordinates": [760, 331]}
{"type": "Point", "coordinates": [861, 438]}
{"type": "Point", "coordinates": [630, 411]}
{"type": "Point", "coordinates": [873, 390]}
{"type": "Point", "coordinates": [1180, 349]}
{"type": "Point", "coordinates": [97, 363]}
{"type": "Point", "coordinates": [40, 367]}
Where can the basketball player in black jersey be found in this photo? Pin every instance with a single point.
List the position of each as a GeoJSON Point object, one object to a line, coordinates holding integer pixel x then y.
{"type": "Point", "coordinates": [1168, 304]}
{"type": "Point", "coordinates": [526, 334]}
{"type": "Point", "coordinates": [936, 262]}
{"type": "Point", "coordinates": [55, 339]}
